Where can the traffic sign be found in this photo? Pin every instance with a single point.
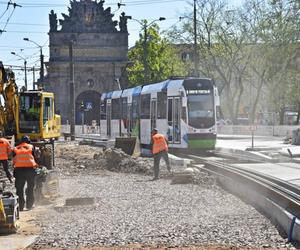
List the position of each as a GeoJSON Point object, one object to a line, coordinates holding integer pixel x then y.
{"type": "Point", "coordinates": [89, 105]}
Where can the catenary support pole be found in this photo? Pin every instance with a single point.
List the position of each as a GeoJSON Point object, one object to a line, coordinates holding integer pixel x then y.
{"type": "Point", "coordinates": [72, 92]}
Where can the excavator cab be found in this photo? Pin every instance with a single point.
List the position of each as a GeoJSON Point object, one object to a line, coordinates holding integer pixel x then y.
{"type": "Point", "coordinates": [36, 117]}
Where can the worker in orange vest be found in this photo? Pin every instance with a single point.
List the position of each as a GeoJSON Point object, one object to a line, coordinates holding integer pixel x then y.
{"type": "Point", "coordinates": [5, 150]}
{"type": "Point", "coordinates": [24, 171]}
{"type": "Point", "coordinates": [159, 150]}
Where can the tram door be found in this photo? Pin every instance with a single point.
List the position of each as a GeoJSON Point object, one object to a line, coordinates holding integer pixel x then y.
{"type": "Point", "coordinates": [129, 118]}
{"type": "Point", "coordinates": [153, 114]}
{"type": "Point", "coordinates": [108, 117]}
{"type": "Point", "coordinates": [174, 114]}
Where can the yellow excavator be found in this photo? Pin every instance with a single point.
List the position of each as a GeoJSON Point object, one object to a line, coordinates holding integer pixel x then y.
{"type": "Point", "coordinates": [31, 113]}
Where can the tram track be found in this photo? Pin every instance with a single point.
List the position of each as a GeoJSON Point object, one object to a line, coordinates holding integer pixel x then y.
{"type": "Point", "coordinates": [277, 199]}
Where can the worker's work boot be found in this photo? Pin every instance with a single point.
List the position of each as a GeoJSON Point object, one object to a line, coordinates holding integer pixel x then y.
{"type": "Point", "coordinates": [29, 208]}
{"type": "Point", "coordinates": [21, 206]}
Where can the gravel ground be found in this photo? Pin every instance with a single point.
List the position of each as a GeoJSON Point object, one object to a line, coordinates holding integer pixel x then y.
{"type": "Point", "coordinates": [130, 209]}
{"type": "Point", "coordinates": [132, 212]}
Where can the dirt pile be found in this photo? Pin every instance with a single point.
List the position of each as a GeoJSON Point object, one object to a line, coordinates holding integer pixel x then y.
{"type": "Point", "coordinates": [118, 161]}
{"type": "Point", "coordinates": [73, 158]}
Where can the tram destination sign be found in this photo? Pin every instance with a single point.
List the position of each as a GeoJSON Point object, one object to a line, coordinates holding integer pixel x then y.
{"type": "Point", "coordinates": [198, 91]}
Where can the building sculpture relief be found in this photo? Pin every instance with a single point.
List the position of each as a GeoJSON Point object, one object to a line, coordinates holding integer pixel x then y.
{"type": "Point", "coordinates": [100, 48]}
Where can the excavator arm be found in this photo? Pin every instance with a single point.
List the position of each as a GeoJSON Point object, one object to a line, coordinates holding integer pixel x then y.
{"type": "Point", "coordinates": [8, 101]}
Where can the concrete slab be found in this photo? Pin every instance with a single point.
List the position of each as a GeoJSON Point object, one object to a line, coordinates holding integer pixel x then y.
{"type": "Point", "coordinates": [285, 171]}
{"type": "Point", "coordinates": [266, 149]}
{"type": "Point", "coordinates": [260, 143]}
{"type": "Point", "coordinates": [16, 242]}
{"type": "Point", "coordinates": [26, 235]}
{"type": "Point", "coordinates": [295, 150]}
{"type": "Point", "coordinates": [179, 162]}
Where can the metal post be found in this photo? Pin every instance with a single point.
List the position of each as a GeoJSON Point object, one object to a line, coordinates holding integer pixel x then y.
{"type": "Point", "coordinates": [33, 79]}
{"type": "Point", "coordinates": [72, 92]}
{"type": "Point", "coordinates": [25, 66]}
{"type": "Point", "coordinates": [42, 65]}
{"type": "Point", "coordinates": [196, 60]}
{"type": "Point", "coordinates": [82, 121]}
{"type": "Point", "coordinates": [252, 118]}
{"type": "Point", "coordinates": [252, 138]}
{"type": "Point", "coordinates": [145, 53]}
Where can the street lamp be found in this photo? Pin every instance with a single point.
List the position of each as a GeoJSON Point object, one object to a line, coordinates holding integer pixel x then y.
{"type": "Point", "coordinates": [145, 27]}
{"type": "Point", "coordinates": [41, 58]}
{"type": "Point", "coordinates": [25, 66]}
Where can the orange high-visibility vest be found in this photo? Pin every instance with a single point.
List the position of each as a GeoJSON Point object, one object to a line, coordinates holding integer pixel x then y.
{"type": "Point", "coordinates": [159, 143]}
{"type": "Point", "coordinates": [24, 157]}
{"type": "Point", "coordinates": [4, 149]}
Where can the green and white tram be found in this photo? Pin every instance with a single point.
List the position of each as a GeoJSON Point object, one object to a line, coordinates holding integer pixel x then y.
{"type": "Point", "coordinates": [183, 109]}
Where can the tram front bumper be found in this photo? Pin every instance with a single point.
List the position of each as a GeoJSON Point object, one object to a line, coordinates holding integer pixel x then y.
{"type": "Point", "coordinates": [202, 141]}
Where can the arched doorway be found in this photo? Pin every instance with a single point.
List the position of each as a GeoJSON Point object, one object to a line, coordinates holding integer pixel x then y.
{"type": "Point", "coordinates": [88, 107]}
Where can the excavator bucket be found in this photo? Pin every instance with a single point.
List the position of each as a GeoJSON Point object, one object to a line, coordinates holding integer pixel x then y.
{"type": "Point", "coordinates": [130, 145]}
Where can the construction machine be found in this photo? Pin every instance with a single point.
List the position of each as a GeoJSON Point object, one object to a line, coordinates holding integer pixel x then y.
{"type": "Point", "coordinates": [31, 113]}
{"type": "Point", "coordinates": [9, 210]}
{"type": "Point", "coordinates": [28, 112]}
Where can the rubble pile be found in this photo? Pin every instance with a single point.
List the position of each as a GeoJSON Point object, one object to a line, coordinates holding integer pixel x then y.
{"type": "Point", "coordinates": [74, 159]}
{"type": "Point", "coordinates": [118, 161]}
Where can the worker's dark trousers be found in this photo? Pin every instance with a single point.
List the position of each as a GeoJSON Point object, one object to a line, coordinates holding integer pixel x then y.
{"type": "Point", "coordinates": [5, 167]}
{"type": "Point", "coordinates": [22, 176]}
{"type": "Point", "coordinates": [157, 157]}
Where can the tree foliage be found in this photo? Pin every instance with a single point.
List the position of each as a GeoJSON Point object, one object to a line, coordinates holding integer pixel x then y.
{"type": "Point", "coordinates": [161, 58]}
{"type": "Point", "coordinates": [251, 51]}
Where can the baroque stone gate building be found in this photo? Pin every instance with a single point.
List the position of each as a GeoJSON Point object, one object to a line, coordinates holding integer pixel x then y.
{"type": "Point", "coordinates": [100, 51]}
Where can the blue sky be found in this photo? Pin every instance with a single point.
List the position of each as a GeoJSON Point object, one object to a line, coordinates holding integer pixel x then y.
{"type": "Point", "coordinates": [31, 21]}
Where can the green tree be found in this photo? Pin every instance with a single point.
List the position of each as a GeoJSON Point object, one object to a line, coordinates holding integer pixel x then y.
{"type": "Point", "coordinates": [220, 40]}
{"type": "Point", "coordinates": [278, 33]}
{"type": "Point", "coordinates": [250, 51]}
{"type": "Point", "coordinates": [160, 58]}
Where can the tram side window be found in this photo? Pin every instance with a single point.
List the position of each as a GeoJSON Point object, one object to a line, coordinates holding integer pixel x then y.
{"type": "Point", "coordinates": [135, 107]}
{"type": "Point", "coordinates": [162, 105]}
{"type": "Point", "coordinates": [116, 108]}
{"type": "Point", "coordinates": [170, 111]}
{"type": "Point", "coordinates": [124, 108]}
{"type": "Point", "coordinates": [145, 106]}
{"type": "Point", "coordinates": [103, 110]}
{"type": "Point", "coordinates": [183, 114]}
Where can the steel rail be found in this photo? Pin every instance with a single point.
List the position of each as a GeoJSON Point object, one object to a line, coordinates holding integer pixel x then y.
{"type": "Point", "coordinates": [281, 194]}
{"type": "Point", "coordinates": [285, 184]}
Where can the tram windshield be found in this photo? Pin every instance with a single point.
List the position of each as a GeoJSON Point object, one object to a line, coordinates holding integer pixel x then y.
{"type": "Point", "coordinates": [201, 110]}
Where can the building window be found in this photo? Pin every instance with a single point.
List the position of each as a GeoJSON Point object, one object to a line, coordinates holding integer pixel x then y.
{"type": "Point", "coordinates": [186, 56]}
{"type": "Point", "coordinates": [90, 83]}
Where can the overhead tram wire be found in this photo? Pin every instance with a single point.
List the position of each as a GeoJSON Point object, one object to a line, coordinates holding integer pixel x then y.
{"type": "Point", "coordinates": [130, 3]}
{"type": "Point", "coordinates": [10, 3]}
{"type": "Point", "coordinates": [26, 32]}
{"type": "Point", "coordinates": [26, 24]}
{"type": "Point", "coordinates": [4, 11]}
